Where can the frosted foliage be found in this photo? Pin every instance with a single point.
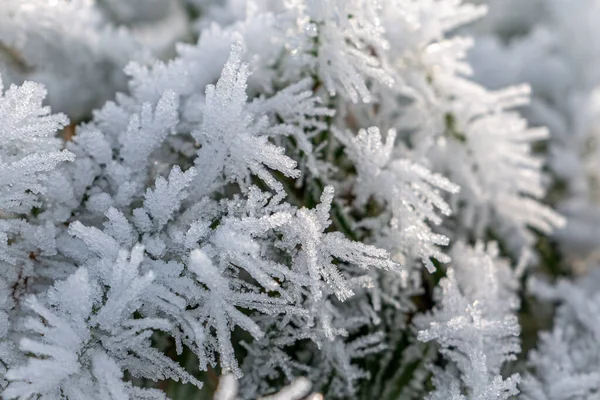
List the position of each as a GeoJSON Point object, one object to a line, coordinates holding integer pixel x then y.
{"type": "Point", "coordinates": [475, 325]}
{"type": "Point", "coordinates": [29, 150]}
{"type": "Point", "coordinates": [89, 346]}
{"type": "Point", "coordinates": [549, 49]}
{"type": "Point", "coordinates": [219, 310]}
{"type": "Point", "coordinates": [275, 204]}
{"type": "Point", "coordinates": [319, 249]}
{"type": "Point", "coordinates": [548, 46]}
{"type": "Point", "coordinates": [230, 134]}
{"type": "Point", "coordinates": [148, 127]}
{"type": "Point", "coordinates": [513, 179]}
{"type": "Point", "coordinates": [460, 121]}
{"type": "Point", "coordinates": [565, 363]}
{"type": "Point", "coordinates": [411, 191]}
{"type": "Point", "coordinates": [345, 30]}
{"type": "Point", "coordinates": [201, 267]}
{"type": "Point", "coordinates": [167, 196]}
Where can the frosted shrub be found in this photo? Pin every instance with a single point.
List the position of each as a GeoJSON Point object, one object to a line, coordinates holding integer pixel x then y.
{"type": "Point", "coordinates": [315, 197]}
